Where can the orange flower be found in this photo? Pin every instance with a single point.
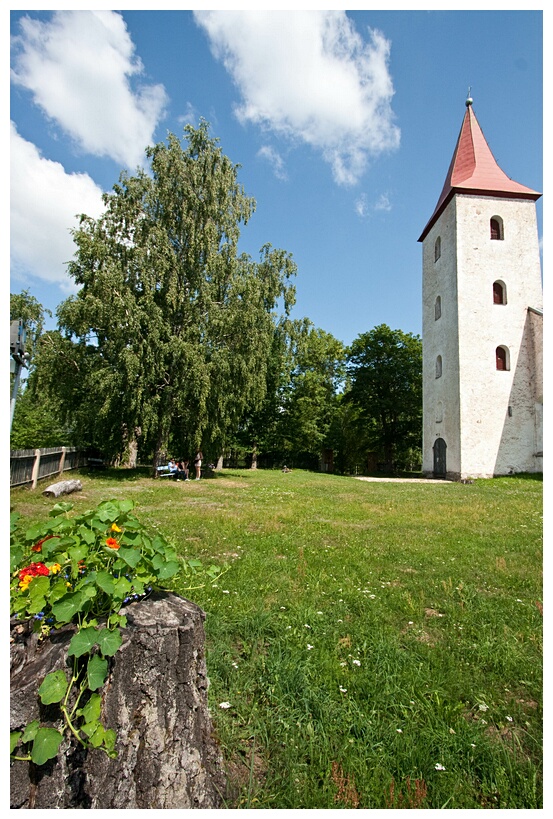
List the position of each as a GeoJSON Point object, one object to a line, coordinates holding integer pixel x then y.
{"type": "Point", "coordinates": [111, 543]}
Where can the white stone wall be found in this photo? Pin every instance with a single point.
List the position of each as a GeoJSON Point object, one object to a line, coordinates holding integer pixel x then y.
{"type": "Point", "coordinates": [441, 397]}
{"type": "Point", "coordinates": [489, 416]}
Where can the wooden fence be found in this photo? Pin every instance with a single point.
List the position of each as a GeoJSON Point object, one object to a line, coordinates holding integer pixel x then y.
{"type": "Point", "coordinates": [31, 465]}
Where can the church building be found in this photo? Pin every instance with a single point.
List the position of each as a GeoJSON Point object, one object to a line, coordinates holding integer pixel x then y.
{"type": "Point", "coordinates": [482, 324]}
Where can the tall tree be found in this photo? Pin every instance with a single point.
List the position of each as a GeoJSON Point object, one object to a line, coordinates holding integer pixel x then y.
{"type": "Point", "coordinates": [36, 420]}
{"type": "Point", "coordinates": [180, 321]}
{"type": "Point", "coordinates": [311, 399]}
{"type": "Point", "coordinates": [385, 371]}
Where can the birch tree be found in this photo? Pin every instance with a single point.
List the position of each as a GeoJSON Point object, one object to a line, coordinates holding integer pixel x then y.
{"type": "Point", "coordinates": [181, 321]}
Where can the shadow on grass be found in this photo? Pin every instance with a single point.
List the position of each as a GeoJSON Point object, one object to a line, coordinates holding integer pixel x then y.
{"type": "Point", "coordinates": [121, 475]}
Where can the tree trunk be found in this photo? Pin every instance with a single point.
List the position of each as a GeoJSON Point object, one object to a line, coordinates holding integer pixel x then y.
{"type": "Point", "coordinates": [155, 699]}
{"type": "Point", "coordinates": [254, 457]}
{"type": "Point", "coordinates": [62, 488]}
{"type": "Point", "coordinates": [131, 450]}
{"type": "Point", "coordinates": [219, 462]}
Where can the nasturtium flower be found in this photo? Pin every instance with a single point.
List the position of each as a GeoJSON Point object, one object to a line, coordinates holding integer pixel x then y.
{"type": "Point", "coordinates": [115, 528]}
{"type": "Point", "coordinates": [55, 568]}
{"type": "Point", "coordinates": [34, 570]}
{"type": "Point", "coordinates": [31, 571]}
{"type": "Point", "coordinates": [111, 543]}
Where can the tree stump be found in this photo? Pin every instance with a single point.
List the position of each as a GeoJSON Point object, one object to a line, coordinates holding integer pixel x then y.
{"type": "Point", "coordinates": [155, 699]}
{"type": "Point", "coordinates": [62, 488]}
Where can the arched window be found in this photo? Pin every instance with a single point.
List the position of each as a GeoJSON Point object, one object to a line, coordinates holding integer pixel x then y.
{"type": "Point", "coordinates": [499, 293]}
{"type": "Point", "coordinates": [502, 358]}
{"type": "Point", "coordinates": [496, 227]}
{"type": "Point", "coordinates": [437, 249]}
{"type": "Point", "coordinates": [437, 308]}
{"type": "Point", "coordinates": [439, 367]}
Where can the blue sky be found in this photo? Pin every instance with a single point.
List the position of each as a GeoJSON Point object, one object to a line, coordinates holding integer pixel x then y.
{"type": "Point", "coordinates": [344, 124]}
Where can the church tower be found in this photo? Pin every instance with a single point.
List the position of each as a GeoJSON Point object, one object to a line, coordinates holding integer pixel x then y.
{"type": "Point", "coordinates": [482, 320]}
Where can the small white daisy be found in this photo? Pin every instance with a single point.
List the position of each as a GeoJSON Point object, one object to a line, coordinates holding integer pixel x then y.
{"type": "Point", "coordinates": [439, 767]}
{"type": "Point", "coordinates": [224, 705]}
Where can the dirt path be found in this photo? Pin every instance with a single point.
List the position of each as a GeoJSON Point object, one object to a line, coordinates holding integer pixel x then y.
{"type": "Point", "coordinates": [403, 480]}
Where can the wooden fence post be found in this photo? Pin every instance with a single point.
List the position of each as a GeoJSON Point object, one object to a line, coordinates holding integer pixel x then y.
{"type": "Point", "coordinates": [36, 464]}
{"type": "Point", "coordinates": [62, 460]}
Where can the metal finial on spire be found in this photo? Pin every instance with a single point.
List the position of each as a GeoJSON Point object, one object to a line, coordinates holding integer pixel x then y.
{"type": "Point", "coordinates": [468, 101]}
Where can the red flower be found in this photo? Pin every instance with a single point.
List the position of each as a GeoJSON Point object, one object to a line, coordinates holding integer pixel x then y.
{"type": "Point", "coordinates": [112, 543]}
{"type": "Point", "coordinates": [33, 570]}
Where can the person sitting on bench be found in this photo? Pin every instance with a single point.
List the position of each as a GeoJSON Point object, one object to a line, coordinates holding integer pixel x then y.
{"type": "Point", "coordinates": [182, 471]}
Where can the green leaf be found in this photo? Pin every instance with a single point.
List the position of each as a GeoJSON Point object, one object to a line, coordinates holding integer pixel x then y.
{"type": "Point", "coordinates": [110, 738]}
{"type": "Point", "coordinates": [90, 728]}
{"type": "Point", "coordinates": [132, 523]}
{"type": "Point", "coordinates": [108, 512]}
{"type": "Point", "coordinates": [14, 740]}
{"type": "Point", "coordinates": [60, 509]}
{"type": "Point", "coordinates": [168, 570]}
{"type": "Point", "coordinates": [122, 588]}
{"type": "Point", "coordinates": [45, 745]}
{"type": "Point", "coordinates": [97, 738]}
{"type": "Point", "coordinates": [130, 556]}
{"type": "Point", "coordinates": [66, 608]}
{"type": "Point", "coordinates": [78, 552]}
{"type": "Point", "coordinates": [126, 505]}
{"type": "Point", "coordinates": [105, 581]}
{"type": "Point", "coordinates": [30, 731]}
{"type": "Point", "coordinates": [53, 688]}
{"type": "Point", "coordinates": [57, 590]}
{"type": "Point", "coordinates": [36, 532]}
{"type": "Point", "coordinates": [16, 557]}
{"type": "Point", "coordinates": [96, 672]}
{"type": "Point", "coordinates": [87, 535]}
{"type": "Point", "coordinates": [82, 642]}
{"type": "Point", "coordinates": [195, 563]}
{"type": "Point", "coordinates": [109, 641]}
{"type": "Point", "coordinates": [37, 594]}
{"type": "Point", "coordinates": [159, 544]}
{"type": "Point", "coordinates": [91, 711]}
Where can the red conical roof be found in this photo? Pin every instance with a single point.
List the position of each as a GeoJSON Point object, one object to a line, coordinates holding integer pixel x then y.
{"type": "Point", "coordinates": [474, 170]}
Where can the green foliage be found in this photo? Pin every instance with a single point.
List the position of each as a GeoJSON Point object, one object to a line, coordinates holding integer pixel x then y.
{"type": "Point", "coordinates": [167, 338]}
{"type": "Point", "coordinates": [311, 401]}
{"type": "Point", "coordinates": [385, 373]}
{"type": "Point", "coordinates": [89, 566]}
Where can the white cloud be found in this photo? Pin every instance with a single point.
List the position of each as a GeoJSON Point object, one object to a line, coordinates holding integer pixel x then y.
{"type": "Point", "coordinates": [363, 207]}
{"type": "Point", "coordinates": [275, 160]}
{"type": "Point", "coordinates": [44, 203]}
{"type": "Point", "coordinates": [310, 76]}
{"type": "Point", "coordinates": [383, 202]}
{"type": "Point", "coordinates": [79, 67]}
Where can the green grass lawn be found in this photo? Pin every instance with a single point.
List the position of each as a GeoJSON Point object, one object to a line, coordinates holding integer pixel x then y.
{"type": "Point", "coordinates": [370, 645]}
